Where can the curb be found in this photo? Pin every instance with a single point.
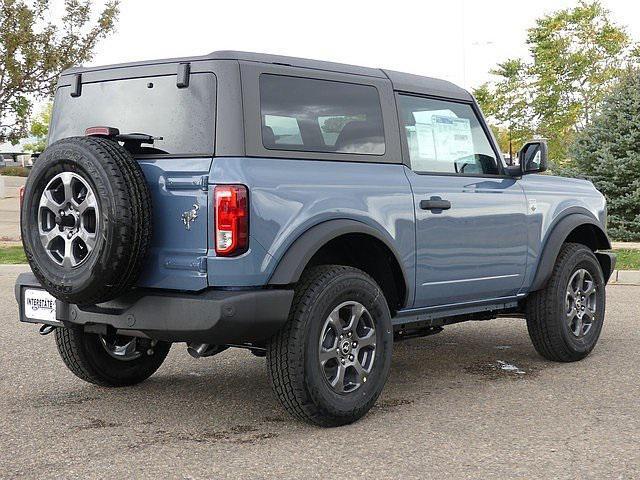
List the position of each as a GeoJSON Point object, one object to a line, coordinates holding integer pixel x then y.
{"type": "Point", "coordinates": [14, 266]}
{"type": "Point", "coordinates": [625, 277]}
{"type": "Point", "coordinates": [625, 245]}
{"type": "Point", "coordinates": [13, 269]}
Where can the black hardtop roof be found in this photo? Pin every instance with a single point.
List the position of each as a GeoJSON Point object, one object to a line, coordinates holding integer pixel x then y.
{"type": "Point", "coordinates": [401, 81]}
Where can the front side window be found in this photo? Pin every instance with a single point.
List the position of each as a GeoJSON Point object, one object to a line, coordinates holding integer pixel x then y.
{"type": "Point", "coordinates": [445, 137]}
{"type": "Point", "coordinates": [313, 115]}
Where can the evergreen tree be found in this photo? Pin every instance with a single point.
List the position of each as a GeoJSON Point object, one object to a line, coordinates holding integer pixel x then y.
{"type": "Point", "coordinates": [607, 152]}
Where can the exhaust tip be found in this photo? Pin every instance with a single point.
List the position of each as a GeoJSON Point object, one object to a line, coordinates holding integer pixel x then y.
{"type": "Point", "coordinates": [197, 350]}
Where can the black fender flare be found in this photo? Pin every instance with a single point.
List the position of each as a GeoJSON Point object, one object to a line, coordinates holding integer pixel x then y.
{"type": "Point", "coordinates": [557, 237]}
{"type": "Point", "coordinates": [297, 256]}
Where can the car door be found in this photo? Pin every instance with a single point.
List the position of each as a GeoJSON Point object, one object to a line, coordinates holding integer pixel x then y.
{"type": "Point", "coordinates": [471, 234]}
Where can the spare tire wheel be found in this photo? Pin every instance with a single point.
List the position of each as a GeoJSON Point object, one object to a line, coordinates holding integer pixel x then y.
{"type": "Point", "coordinates": [86, 220]}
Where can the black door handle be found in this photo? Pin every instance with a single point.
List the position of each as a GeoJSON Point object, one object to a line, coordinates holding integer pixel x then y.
{"type": "Point", "coordinates": [435, 203]}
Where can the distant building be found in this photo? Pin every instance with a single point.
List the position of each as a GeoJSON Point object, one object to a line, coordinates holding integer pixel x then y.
{"type": "Point", "coordinates": [15, 154]}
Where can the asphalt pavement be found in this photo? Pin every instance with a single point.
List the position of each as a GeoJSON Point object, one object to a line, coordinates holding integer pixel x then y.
{"type": "Point", "coordinates": [474, 401]}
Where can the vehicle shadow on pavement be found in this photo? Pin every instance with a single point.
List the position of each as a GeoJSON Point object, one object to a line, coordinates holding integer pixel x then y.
{"type": "Point", "coordinates": [231, 390]}
{"type": "Point", "coordinates": [225, 402]}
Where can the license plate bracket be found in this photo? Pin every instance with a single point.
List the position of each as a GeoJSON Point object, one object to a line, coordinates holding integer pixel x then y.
{"type": "Point", "coordinates": [39, 306]}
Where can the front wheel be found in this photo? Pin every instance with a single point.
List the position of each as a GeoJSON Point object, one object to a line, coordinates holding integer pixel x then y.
{"type": "Point", "coordinates": [109, 360]}
{"type": "Point", "coordinates": [565, 318]}
{"type": "Point", "coordinates": [329, 363]}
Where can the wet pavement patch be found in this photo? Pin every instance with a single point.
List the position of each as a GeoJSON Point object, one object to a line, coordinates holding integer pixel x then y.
{"type": "Point", "coordinates": [97, 423]}
{"type": "Point", "coordinates": [63, 400]}
{"type": "Point", "coordinates": [238, 434]}
{"type": "Point", "coordinates": [255, 438]}
{"type": "Point", "coordinates": [501, 369]}
{"type": "Point", "coordinates": [509, 367]}
{"type": "Point", "coordinates": [275, 419]}
{"type": "Point", "coordinates": [391, 403]}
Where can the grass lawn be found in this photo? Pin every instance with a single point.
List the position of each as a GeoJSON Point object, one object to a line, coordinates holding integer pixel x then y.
{"type": "Point", "coordinates": [627, 259]}
{"type": "Point", "coordinates": [10, 255]}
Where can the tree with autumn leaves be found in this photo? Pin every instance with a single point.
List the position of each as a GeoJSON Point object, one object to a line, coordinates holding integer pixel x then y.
{"type": "Point", "coordinates": [576, 56]}
{"type": "Point", "coordinates": [34, 49]}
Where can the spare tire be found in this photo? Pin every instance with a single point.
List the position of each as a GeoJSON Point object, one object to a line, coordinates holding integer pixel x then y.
{"type": "Point", "coordinates": [86, 220]}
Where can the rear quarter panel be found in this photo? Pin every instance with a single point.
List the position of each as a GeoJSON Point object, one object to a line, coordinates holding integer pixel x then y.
{"type": "Point", "coordinates": [177, 257]}
{"type": "Point", "coordinates": [287, 197]}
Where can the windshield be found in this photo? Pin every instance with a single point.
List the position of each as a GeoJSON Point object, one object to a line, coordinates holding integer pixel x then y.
{"type": "Point", "coordinates": [183, 117]}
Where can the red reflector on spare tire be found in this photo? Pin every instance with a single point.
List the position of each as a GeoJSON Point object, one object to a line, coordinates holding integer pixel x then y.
{"type": "Point", "coordinates": [101, 132]}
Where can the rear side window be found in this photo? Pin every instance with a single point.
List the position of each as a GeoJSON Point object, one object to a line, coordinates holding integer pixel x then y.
{"type": "Point", "coordinates": [311, 115]}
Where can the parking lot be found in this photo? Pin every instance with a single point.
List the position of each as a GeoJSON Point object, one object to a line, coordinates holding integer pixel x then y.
{"type": "Point", "coordinates": [475, 401]}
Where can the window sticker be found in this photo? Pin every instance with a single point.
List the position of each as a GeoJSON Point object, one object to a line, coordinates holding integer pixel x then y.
{"type": "Point", "coordinates": [426, 141]}
{"type": "Point", "coordinates": [452, 138]}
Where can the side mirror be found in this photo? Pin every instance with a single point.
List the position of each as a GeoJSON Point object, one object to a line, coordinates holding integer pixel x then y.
{"type": "Point", "coordinates": [513, 170]}
{"type": "Point", "coordinates": [533, 157]}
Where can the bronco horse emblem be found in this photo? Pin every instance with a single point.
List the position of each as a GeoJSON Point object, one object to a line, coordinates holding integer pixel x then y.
{"type": "Point", "coordinates": [190, 216]}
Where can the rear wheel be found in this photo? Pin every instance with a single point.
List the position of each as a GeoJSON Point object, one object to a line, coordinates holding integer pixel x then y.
{"type": "Point", "coordinates": [109, 360]}
{"type": "Point", "coordinates": [329, 363]}
{"type": "Point", "coordinates": [566, 317]}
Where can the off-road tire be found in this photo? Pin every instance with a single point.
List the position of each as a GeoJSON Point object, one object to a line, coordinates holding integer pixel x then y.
{"type": "Point", "coordinates": [125, 223]}
{"type": "Point", "coordinates": [87, 359]}
{"type": "Point", "coordinates": [292, 364]}
{"type": "Point", "coordinates": [545, 309]}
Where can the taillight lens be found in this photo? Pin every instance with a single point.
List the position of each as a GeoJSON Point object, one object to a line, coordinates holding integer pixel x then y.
{"type": "Point", "coordinates": [232, 219]}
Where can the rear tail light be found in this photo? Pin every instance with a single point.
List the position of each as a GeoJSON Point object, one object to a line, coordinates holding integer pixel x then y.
{"type": "Point", "coordinates": [231, 219]}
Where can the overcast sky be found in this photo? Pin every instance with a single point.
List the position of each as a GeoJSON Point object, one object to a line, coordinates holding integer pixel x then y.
{"type": "Point", "coordinates": [458, 40]}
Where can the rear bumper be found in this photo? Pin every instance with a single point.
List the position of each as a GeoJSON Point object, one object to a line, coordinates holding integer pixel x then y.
{"type": "Point", "coordinates": [211, 316]}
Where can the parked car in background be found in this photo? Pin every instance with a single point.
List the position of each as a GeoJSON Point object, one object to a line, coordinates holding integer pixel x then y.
{"type": "Point", "coordinates": [307, 211]}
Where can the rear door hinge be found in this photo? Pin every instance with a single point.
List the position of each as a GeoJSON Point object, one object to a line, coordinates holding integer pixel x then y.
{"type": "Point", "coordinates": [188, 183]}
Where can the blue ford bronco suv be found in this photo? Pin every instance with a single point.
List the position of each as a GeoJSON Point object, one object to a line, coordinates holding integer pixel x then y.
{"type": "Point", "coordinates": [308, 211]}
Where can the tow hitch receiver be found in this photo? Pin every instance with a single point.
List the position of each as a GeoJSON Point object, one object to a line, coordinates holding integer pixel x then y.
{"type": "Point", "coordinates": [46, 329]}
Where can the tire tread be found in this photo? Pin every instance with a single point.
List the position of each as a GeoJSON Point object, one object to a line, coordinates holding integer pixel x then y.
{"type": "Point", "coordinates": [544, 329]}
{"type": "Point", "coordinates": [286, 356]}
{"type": "Point", "coordinates": [132, 225]}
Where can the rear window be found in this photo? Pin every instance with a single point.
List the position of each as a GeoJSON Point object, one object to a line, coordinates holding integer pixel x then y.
{"type": "Point", "coordinates": [183, 117]}
{"type": "Point", "coordinates": [313, 115]}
